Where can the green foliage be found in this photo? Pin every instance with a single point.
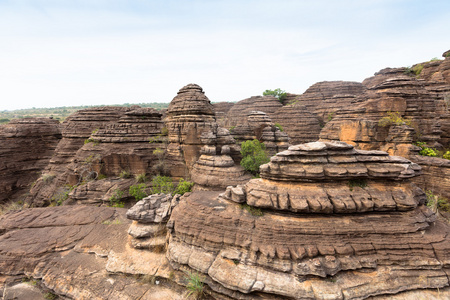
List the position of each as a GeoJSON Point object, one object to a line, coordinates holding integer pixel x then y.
{"type": "Point", "coordinates": [116, 197]}
{"type": "Point", "coordinates": [50, 296]}
{"type": "Point", "coordinates": [254, 211]}
{"type": "Point", "coordinates": [10, 206]}
{"type": "Point", "coordinates": [279, 127]}
{"type": "Point", "coordinates": [437, 203]}
{"type": "Point", "coordinates": [446, 155]}
{"type": "Point", "coordinates": [362, 183]}
{"type": "Point", "coordinates": [140, 178]}
{"type": "Point", "coordinates": [112, 222]}
{"type": "Point", "coordinates": [393, 118]}
{"type": "Point", "coordinates": [164, 131]}
{"type": "Point", "coordinates": [434, 59]}
{"type": "Point", "coordinates": [183, 187]}
{"type": "Point", "coordinates": [253, 155]}
{"type": "Point", "coordinates": [280, 94]}
{"type": "Point", "coordinates": [232, 128]}
{"type": "Point", "coordinates": [195, 285]}
{"type": "Point", "coordinates": [414, 71]}
{"type": "Point", "coordinates": [101, 176]}
{"type": "Point", "coordinates": [90, 140]}
{"type": "Point", "coordinates": [138, 191]}
{"type": "Point", "coordinates": [124, 174]}
{"type": "Point", "coordinates": [162, 184]}
{"type": "Point", "coordinates": [426, 151]}
{"type": "Point", "coordinates": [62, 195]}
{"type": "Point", "coordinates": [4, 121]}
{"type": "Point", "coordinates": [330, 116]}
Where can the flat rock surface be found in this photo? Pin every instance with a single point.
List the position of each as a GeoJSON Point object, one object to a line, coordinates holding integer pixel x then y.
{"type": "Point", "coordinates": [80, 252]}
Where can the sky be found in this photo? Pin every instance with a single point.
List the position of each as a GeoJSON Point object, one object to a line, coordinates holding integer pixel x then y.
{"type": "Point", "coordinates": [57, 53]}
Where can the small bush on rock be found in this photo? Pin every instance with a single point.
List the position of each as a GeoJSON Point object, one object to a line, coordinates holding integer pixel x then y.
{"type": "Point", "coordinates": [280, 94]}
{"type": "Point", "coordinates": [393, 118]}
{"type": "Point", "coordinates": [138, 191]}
{"type": "Point", "coordinates": [253, 156]}
{"type": "Point", "coordinates": [195, 285]}
{"type": "Point", "coordinates": [183, 187]}
{"type": "Point", "coordinates": [162, 184]}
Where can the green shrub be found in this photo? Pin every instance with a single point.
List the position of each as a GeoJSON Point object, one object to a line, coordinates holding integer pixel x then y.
{"type": "Point", "coordinates": [330, 116]}
{"type": "Point", "coordinates": [446, 155]}
{"type": "Point", "coordinates": [437, 203]}
{"type": "Point", "coordinates": [116, 197]}
{"type": "Point", "coordinates": [138, 191]}
{"type": "Point", "coordinates": [162, 184]}
{"type": "Point", "coordinates": [279, 127]}
{"type": "Point", "coordinates": [393, 118]}
{"type": "Point", "coordinates": [183, 187]}
{"type": "Point", "coordinates": [254, 211]}
{"type": "Point", "coordinates": [62, 195]}
{"type": "Point", "coordinates": [125, 174]}
{"type": "Point", "coordinates": [94, 141]}
{"type": "Point", "coordinates": [362, 183]}
{"type": "Point", "coordinates": [195, 285]}
{"type": "Point", "coordinates": [141, 177]}
{"type": "Point", "coordinates": [426, 151]}
{"type": "Point", "coordinates": [414, 71]}
{"type": "Point", "coordinates": [4, 121]}
{"type": "Point", "coordinates": [280, 94]}
{"type": "Point", "coordinates": [253, 155]}
{"type": "Point", "coordinates": [50, 296]}
{"type": "Point", "coordinates": [101, 176]}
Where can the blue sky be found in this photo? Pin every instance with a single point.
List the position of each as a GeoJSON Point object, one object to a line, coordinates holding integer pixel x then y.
{"type": "Point", "coordinates": [64, 53]}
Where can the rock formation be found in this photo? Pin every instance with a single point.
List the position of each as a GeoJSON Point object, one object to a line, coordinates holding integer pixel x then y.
{"type": "Point", "coordinates": [259, 126]}
{"type": "Point", "coordinates": [336, 223]}
{"type": "Point", "coordinates": [299, 123]}
{"type": "Point", "coordinates": [26, 146]}
{"type": "Point", "coordinates": [102, 141]}
{"type": "Point", "coordinates": [239, 112]}
{"type": "Point", "coordinates": [199, 148]}
{"type": "Point", "coordinates": [79, 252]}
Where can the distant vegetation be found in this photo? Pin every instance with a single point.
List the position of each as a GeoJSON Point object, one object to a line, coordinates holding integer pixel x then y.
{"type": "Point", "coordinates": [61, 113]}
{"type": "Point", "coordinates": [280, 94]}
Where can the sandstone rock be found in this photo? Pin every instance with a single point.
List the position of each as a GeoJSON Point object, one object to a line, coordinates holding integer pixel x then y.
{"type": "Point", "coordinates": [69, 249]}
{"type": "Point", "coordinates": [152, 209]}
{"type": "Point", "coordinates": [26, 146]}
{"type": "Point", "coordinates": [329, 211]}
{"type": "Point", "coordinates": [239, 112]}
{"type": "Point", "coordinates": [301, 125]}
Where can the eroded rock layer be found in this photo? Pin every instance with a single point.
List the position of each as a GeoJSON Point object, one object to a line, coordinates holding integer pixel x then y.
{"type": "Point", "coordinates": [325, 221]}
{"type": "Point", "coordinates": [26, 146]}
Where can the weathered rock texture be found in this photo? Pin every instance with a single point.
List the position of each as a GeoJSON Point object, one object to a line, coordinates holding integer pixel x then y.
{"type": "Point", "coordinates": [80, 252]}
{"type": "Point", "coordinates": [337, 223]}
{"type": "Point", "coordinates": [301, 125]}
{"type": "Point", "coordinates": [259, 126]}
{"type": "Point", "coordinates": [239, 112]}
{"type": "Point", "coordinates": [199, 148]}
{"type": "Point", "coordinates": [100, 141]}
{"type": "Point", "coordinates": [189, 115]}
{"type": "Point", "coordinates": [221, 109]}
{"type": "Point", "coordinates": [26, 146]}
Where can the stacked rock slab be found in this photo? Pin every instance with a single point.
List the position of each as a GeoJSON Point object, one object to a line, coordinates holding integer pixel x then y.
{"type": "Point", "coordinates": [259, 126]}
{"type": "Point", "coordinates": [324, 221]}
{"type": "Point", "coordinates": [216, 169]}
{"type": "Point", "coordinates": [118, 147]}
{"type": "Point", "coordinates": [189, 115]}
{"type": "Point", "coordinates": [150, 215]}
{"type": "Point", "coordinates": [301, 125]}
{"type": "Point", "coordinates": [199, 148]}
{"type": "Point", "coordinates": [238, 114]}
{"type": "Point", "coordinates": [26, 146]}
{"type": "Point", "coordinates": [75, 130]}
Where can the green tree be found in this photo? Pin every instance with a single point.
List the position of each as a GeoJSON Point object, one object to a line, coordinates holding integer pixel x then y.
{"type": "Point", "coordinates": [280, 94]}
{"type": "Point", "coordinates": [253, 155]}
